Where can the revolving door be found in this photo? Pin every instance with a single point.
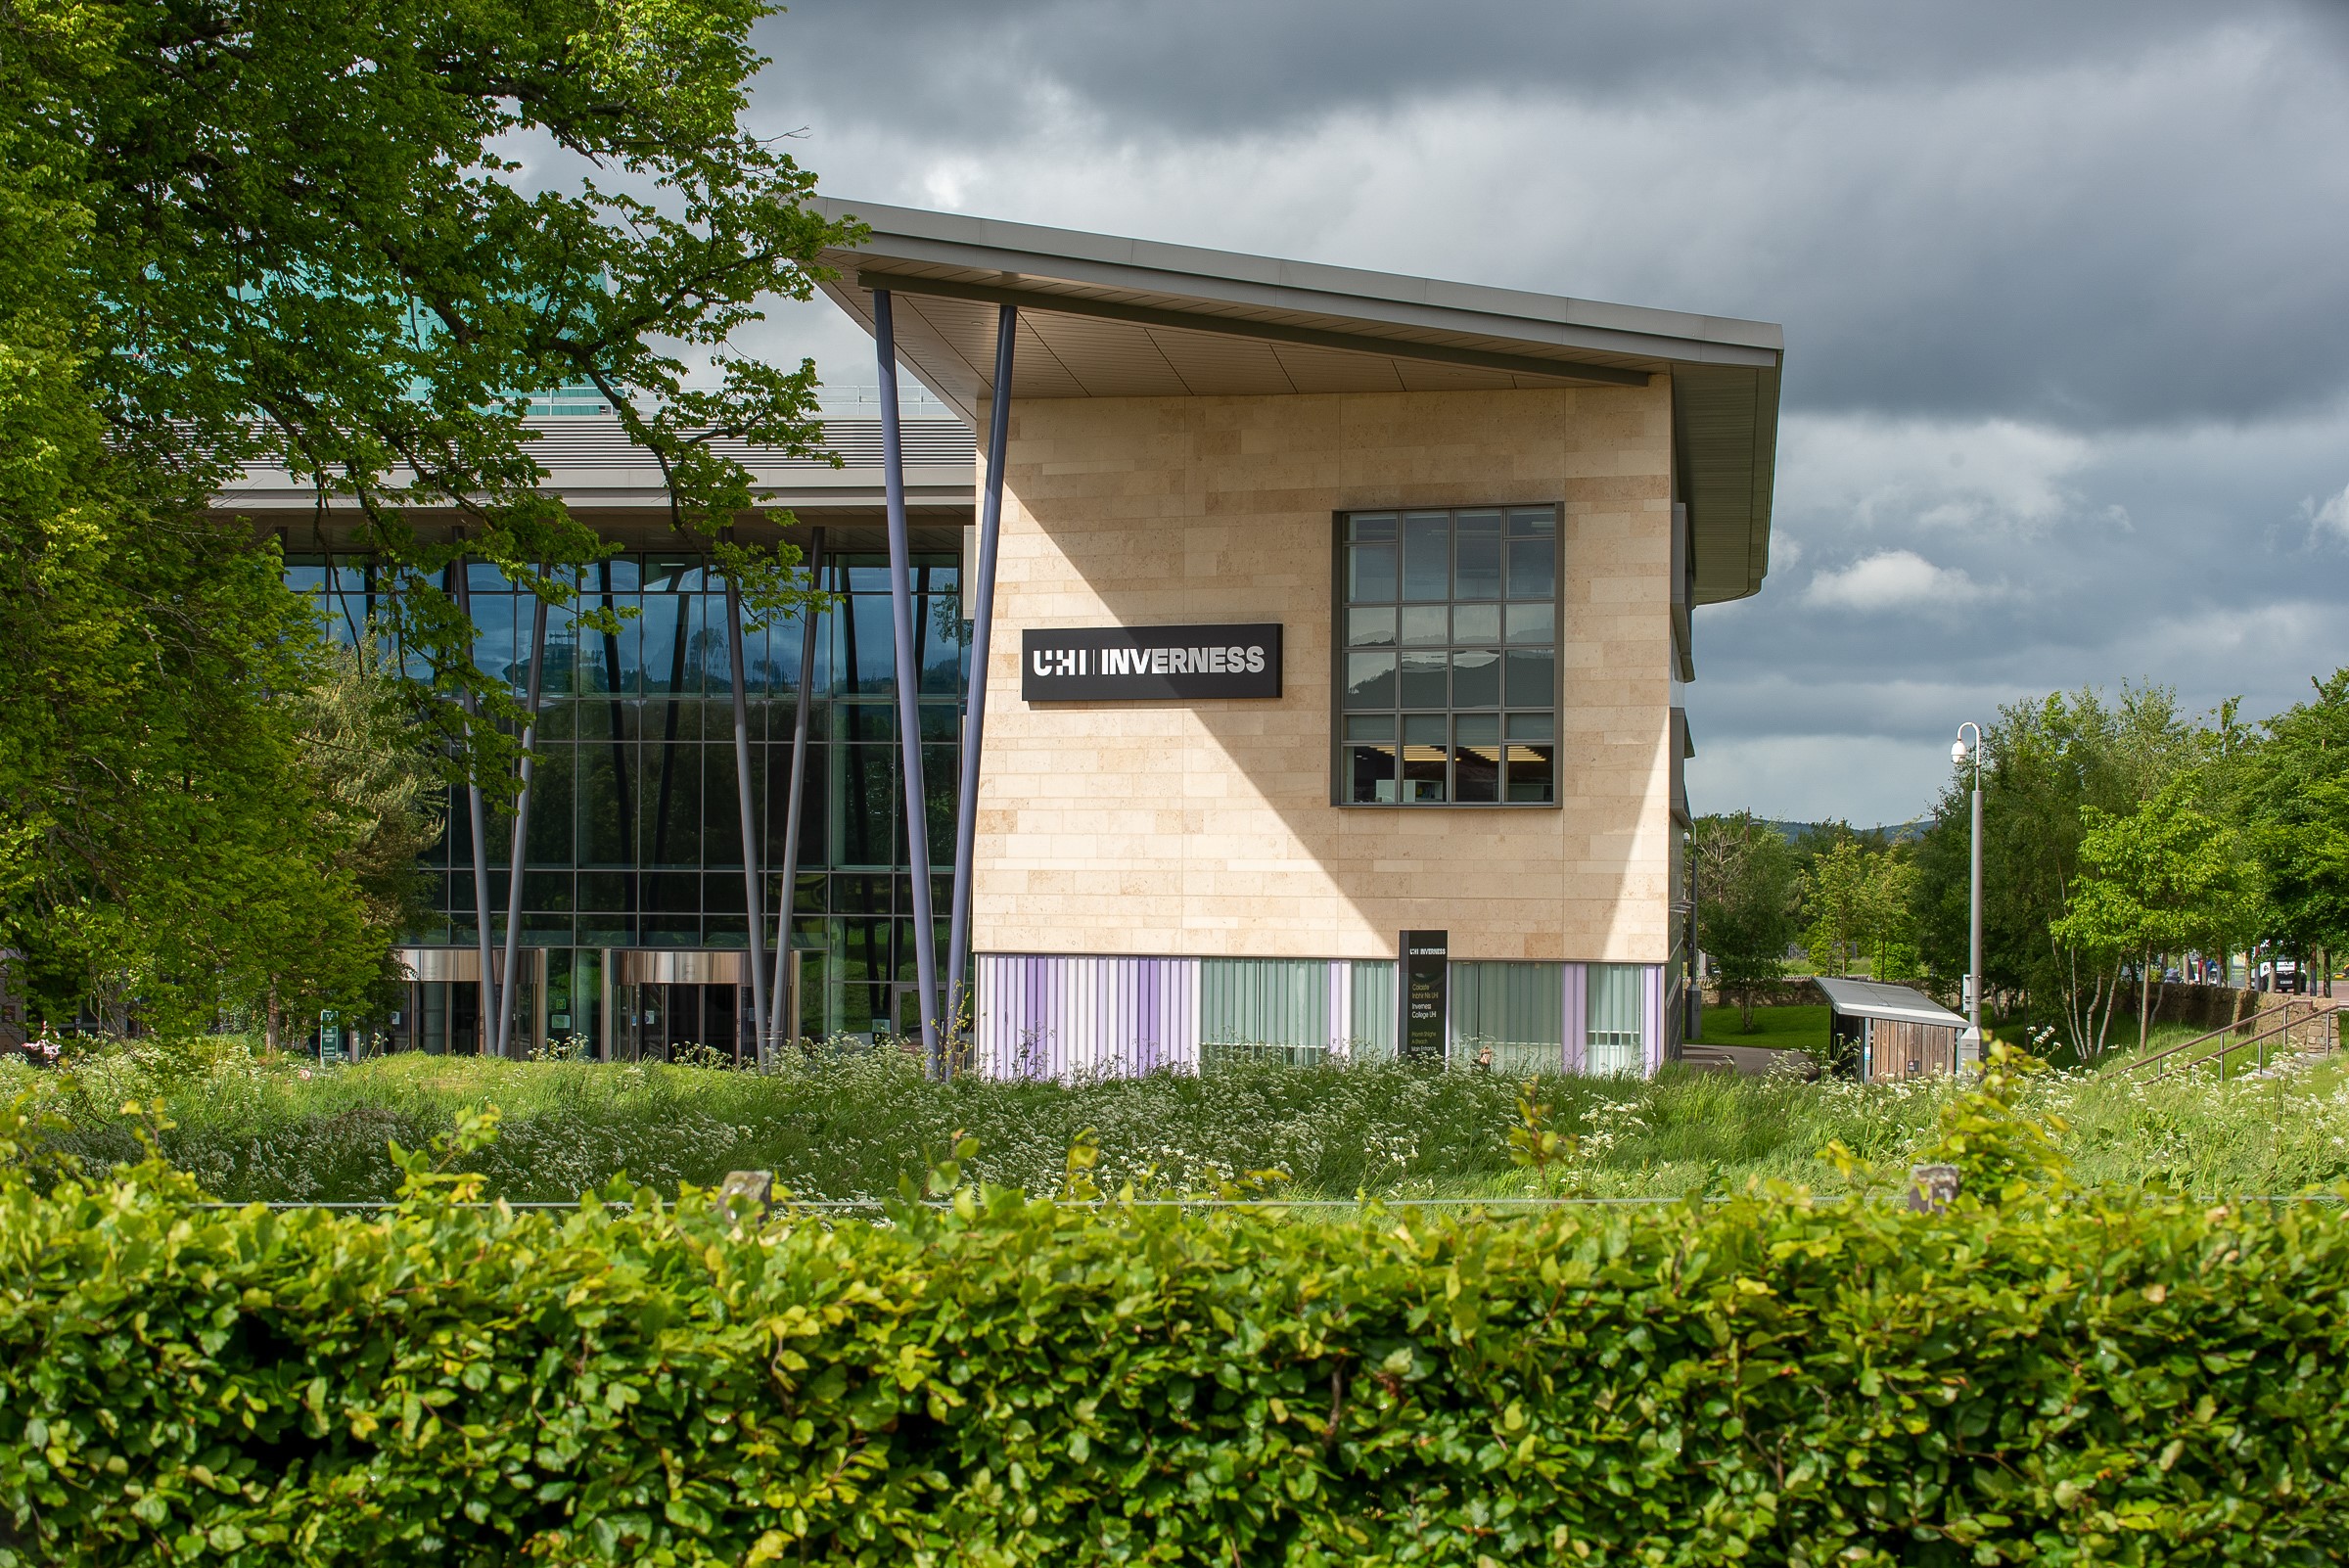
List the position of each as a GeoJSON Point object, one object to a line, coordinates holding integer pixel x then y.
{"type": "Point", "coordinates": [670, 1005]}
{"type": "Point", "coordinates": [441, 1012]}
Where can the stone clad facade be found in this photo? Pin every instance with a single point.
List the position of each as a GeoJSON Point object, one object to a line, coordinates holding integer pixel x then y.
{"type": "Point", "coordinates": [1208, 828]}
{"type": "Point", "coordinates": [1482, 519]}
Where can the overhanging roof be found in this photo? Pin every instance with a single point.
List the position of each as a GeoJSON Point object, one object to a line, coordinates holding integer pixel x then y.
{"type": "Point", "coordinates": [1102, 316]}
{"type": "Point", "coordinates": [593, 467]}
{"type": "Point", "coordinates": [1873, 998]}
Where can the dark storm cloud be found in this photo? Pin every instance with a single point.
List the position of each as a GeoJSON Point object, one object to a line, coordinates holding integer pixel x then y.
{"type": "Point", "coordinates": [1218, 67]}
{"type": "Point", "coordinates": [2098, 214]}
{"type": "Point", "coordinates": [2064, 290]}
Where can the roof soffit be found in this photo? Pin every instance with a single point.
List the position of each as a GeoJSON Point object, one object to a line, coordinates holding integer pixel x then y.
{"type": "Point", "coordinates": [1105, 316]}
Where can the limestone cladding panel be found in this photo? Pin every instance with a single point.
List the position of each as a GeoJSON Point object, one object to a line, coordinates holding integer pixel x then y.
{"type": "Point", "coordinates": [1206, 828]}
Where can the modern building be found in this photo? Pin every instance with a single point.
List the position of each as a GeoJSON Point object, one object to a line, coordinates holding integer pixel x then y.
{"type": "Point", "coordinates": [1326, 607]}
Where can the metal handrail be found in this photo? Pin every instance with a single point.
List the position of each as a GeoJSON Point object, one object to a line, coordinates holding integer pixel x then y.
{"type": "Point", "coordinates": [2286, 1019]}
{"type": "Point", "coordinates": [2168, 1051]}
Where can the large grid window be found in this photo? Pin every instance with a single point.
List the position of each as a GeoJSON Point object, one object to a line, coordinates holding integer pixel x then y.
{"type": "Point", "coordinates": [1449, 679]}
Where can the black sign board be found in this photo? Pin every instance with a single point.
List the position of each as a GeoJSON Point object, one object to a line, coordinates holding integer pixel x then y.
{"type": "Point", "coordinates": [1112, 664]}
{"type": "Point", "coordinates": [1425, 992]}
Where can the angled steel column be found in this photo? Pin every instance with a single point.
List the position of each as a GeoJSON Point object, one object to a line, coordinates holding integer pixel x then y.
{"type": "Point", "coordinates": [908, 680]}
{"type": "Point", "coordinates": [753, 905]}
{"type": "Point", "coordinates": [521, 832]}
{"type": "Point", "coordinates": [982, 597]}
{"type": "Point", "coordinates": [788, 895]}
{"type": "Point", "coordinates": [480, 846]}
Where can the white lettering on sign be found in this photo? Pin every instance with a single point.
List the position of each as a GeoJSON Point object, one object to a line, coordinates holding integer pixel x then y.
{"type": "Point", "coordinates": [1110, 664]}
{"type": "Point", "coordinates": [1210, 660]}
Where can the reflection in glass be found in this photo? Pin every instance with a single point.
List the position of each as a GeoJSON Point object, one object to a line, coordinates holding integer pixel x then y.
{"type": "Point", "coordinates": [1476, 622]}
{"type": "Point", "coordinates": [1370, 573]}
{"type": "Point", "coordinates": [1463, 656]}
{"type": "Point", "coordinates": [1426, 555]}
{"type": "Point", "coordinates": [1477, 547]}
{"type": "Point", "coordinates": [1533, 677]}
{"type": "Point", "coordinates": [1425, 625]}
{"type": "Point", "coordinates": [1533, 567]}
{"type": "Point", "coordinates": [1476, 678]}
{"type": "Point", "coordinates": [1371, 628]}
{"type": "Point", "coordinates": [1476, 758]}
{"type": "Point", "coordinates": [1370, 680]}
{"type": "Point", "coordinates": [1424, 683]}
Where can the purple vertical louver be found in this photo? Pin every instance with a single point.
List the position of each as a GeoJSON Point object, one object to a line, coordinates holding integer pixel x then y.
{"type": "Point", "coordinates": [1051, 1016]}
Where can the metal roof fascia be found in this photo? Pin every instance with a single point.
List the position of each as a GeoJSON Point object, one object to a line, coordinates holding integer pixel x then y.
{"type": "Point", "coordinates": [1731, 533]}
{"type": "Point", "coordinates": [1309, 335]}
{"type": "Point", "coordinates": [987, 245]}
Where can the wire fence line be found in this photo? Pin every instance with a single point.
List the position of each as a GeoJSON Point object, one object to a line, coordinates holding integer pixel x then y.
{"type": "Point", "coordinates": [787, 1206]}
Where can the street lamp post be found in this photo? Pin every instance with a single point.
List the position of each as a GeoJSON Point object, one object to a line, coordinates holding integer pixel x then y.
{"type": "Point", "coordinates": [1958, 755]}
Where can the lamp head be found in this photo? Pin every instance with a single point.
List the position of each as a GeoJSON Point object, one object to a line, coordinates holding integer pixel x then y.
{"type": "Point", "coordinates": [1958, 752]}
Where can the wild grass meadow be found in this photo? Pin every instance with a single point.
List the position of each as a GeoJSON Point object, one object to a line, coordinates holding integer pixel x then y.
{"type": "Point", "coordinates": [849, 1127]}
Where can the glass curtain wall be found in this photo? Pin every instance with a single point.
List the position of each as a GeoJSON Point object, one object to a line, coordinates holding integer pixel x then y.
{"type": "Point", "coordinates": [634, 837]}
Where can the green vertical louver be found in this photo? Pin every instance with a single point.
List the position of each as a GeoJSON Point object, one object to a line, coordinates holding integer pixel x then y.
{"type": "Point", "coordinates": [1513, 1010]}
{"type": "Point", "coordinates": [1371, 1029]}
{"type": "Point", "coordinates": [1275, 1008]}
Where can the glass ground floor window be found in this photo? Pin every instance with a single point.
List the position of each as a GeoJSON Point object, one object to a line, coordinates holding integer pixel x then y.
{"type": "Point", "coordinates": [1448, 682]}
{"type": "Point", "coordinates": [635, 836]}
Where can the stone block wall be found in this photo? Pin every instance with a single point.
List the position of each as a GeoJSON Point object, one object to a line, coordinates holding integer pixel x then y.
{"type": "Point", "coordinates": [1208, 828]}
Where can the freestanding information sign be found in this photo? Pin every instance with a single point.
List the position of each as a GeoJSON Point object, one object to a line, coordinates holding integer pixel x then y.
{"type": "Point", "coordinates": [1424, 996]}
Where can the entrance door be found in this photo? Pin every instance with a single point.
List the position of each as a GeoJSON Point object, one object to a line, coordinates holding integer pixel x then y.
{"type": "Point", "coordinates": [443, 1011]}
{"type": "Point", "coordinates": [681, 1004]}
{"type": "Point", "coordinates": [671, 1022]}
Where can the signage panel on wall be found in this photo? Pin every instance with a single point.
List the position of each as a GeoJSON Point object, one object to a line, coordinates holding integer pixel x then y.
{"type": "Point", "coordinates": [1112, 664]}
{"type": "Point", "coordinates": [1424, 998]}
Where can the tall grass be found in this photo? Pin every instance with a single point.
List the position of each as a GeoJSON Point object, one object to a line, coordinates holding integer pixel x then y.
{"type": "Point", "coordinates": [849, 1127]}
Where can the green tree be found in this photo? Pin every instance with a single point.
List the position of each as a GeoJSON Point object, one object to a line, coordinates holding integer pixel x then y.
{"type": "Point", "coordinates": [2164, 878]}
{"type": "Point", "coordinates": [2292, 794]}
{"type": "Point", "coordinates": [1890, 914]}
{"type": "Point", "coordinates": [1745, 900]}
{"type": "Point", "coordinates": [2045, 760]}
{"type": "Point", "coordinates": [350, 239]}
{"type": "Point", "coordinates": [1839, 907]}
{"type": "Point", "coordinates": [154, 823]}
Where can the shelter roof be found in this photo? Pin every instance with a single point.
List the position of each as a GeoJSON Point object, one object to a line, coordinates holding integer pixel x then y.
{"type": "Point", "coordinates": [1103, 316]}
{"type": "Point", "coordinates": [1871, 998]}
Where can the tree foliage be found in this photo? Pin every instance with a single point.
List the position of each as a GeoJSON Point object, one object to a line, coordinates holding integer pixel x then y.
{"type": "Point", "coordinates": [2165, 877]}
{"type": "Point", "coordinates": [1745, 901]}
{"type": "Point", "coordinates": [348, 241]}
{"type": "Point", "coordinates": [2291, 794]}
{"type": "Point", "coordinates": [1856, 903]}
{"type": "Point", "coordinates": [2044, 762]}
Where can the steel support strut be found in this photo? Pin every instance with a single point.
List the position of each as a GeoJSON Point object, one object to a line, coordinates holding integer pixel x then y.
{"type": "Point", "coordinates": [909, 682]}
{"type": "Point", "coordinates": [508, 991]}
{"type": "Point", "coordinates": [980, 597]}
{"type": "Point", "coordinates": [787, 893]}
{"type": "Point", "coordinates": [473, 803]}
{"type": "Point", "coordinates": [752, 905]}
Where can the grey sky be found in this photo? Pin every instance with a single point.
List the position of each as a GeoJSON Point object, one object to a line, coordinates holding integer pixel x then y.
{"type": "Point", "coordinates": [2065, 290]}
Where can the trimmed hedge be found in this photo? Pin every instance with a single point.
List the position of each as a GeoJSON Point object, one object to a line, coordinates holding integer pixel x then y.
{"type": "Point", "coordinates": [1007, 1381]}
